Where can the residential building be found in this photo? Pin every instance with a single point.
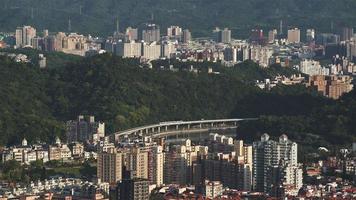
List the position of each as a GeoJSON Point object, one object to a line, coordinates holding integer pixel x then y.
{"type": "Point", "coordinates": [84, 130]}
{"type": "Point", "coordinates": [150, 33]}
{"type": "Point", "coordinates": [331, 86]}
{"type": "Point", "coordinates": [174, 32]}
{"type": "Point", "coordinates": [109, 166]}
{"type": "Point", "coordinates": [136, 159]}
{"type": "Point", "coordinates": [155, 165]}
{"type": "Point", "coordinates": [222, 35]}
{"type": "Point", "coordinates": [268, 154]}
{"type": "Point", "coordinates": [294, 35]}
{"type": "Point", "coordinates": [132, 34]}
{"type": "Point", "coordinates": [272, 35]}
{"type": "Point", "coordinates": [129, 49]}
{"type": "Point", "coordinates": [310, 36]}
{"type": "Point", "coordinates": [213, 189]}
{"type": "Point", "coordinates": [133, 189]}
{"type": "Point", "coordinates": [312, 67]}
{"type": "Point", "coordinates": [151, 51]}
{"type": "Point", "coordinates": [187, 36]}
{"type": "Point", "coordinates": [24, 35]}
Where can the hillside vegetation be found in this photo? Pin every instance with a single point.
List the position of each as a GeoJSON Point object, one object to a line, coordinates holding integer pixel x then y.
{"type": "Point", "coordinates": [99, 17]}
{"type": "Point", "coordinates": [35, 103]}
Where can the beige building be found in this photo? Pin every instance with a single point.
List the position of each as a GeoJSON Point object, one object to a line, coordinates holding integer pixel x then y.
{"type": "Point", "coordinates": [59, 151]}
{"type": "Point", "coordinates": [109, 166]}
{"type": "Point", "coordinates": [151, 51]}
{"type": "Point", "coordinates": [156, 162]}
{"type": "Point", "coordinates": [178, 166]}
{"type": "Point", "coordinates": [73, 43]}
{"type": "Point", "coordinates": [24, 35]}
{"type": "Point", "coordinates": [294, 35]}
{"type": "Point", "coordinates": [174, 31]}
{"type": "Point", "coordinates": [136, 160]}
{"type": "Point", "coordinates": [213, 189]}
{"type": "Point", "coordinates": [331, 86]}
{"type": "Point", "coordinates": [272, 34]}
{"type": "Point", "coordinates": [77, 150]}
{"type": "Point", "coordinates": [129, 49]}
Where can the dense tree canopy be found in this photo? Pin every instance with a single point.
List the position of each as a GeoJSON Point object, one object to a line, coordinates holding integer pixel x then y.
{"type": "Point", "coordinates": [99, 17]}
{"type": "Point", "coordinates": [35, 103]}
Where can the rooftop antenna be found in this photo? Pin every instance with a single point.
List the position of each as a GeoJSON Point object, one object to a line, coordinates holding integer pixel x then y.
{"type": "Point", "coordinates": [281, 27]}
{"type": "Point", "coordinates": [80, 10]}
{"type": "Point", "coordinates": [152, 16]}
{"type": "Point", "coordinates": [69, 25]}
{"type": "Point", "coordinates": [117, 25]}
{"type": "Point", "coordinates": [31, 12]}
{"type": "Point", "coordinates": [332, 26]}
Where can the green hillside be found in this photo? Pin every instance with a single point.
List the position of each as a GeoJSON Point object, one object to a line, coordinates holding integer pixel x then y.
{"type": "Point", "coordinates": [35, 103]}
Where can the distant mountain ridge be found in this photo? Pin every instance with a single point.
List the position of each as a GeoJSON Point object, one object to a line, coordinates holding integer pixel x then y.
{"type": "Point", "coordinates": [99, 17]}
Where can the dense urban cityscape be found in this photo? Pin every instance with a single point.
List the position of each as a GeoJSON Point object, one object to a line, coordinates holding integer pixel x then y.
{"type": "Point", "coordinates": [147, 114]}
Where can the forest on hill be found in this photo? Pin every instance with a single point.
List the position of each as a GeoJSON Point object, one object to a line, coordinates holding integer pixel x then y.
{"type": "Point", "coordinates": [35, 103]}
{"type": "Point", "coordinates": [99, 17]}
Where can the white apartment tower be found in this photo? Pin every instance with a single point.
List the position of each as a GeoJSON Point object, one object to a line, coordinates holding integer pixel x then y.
{"type": "Point", "coordinates": [267, 154]}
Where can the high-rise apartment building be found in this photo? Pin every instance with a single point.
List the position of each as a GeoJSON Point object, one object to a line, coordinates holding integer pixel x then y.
{"type": "Point", "coordinates": [222, 35]}
{"type": "Point", "coordinates": [187, 36]}
{"type": "Point", "coordinates": [168, 49]}
{"type": "Point", "coordinates": [109, 166]}
{"type": "Point", "coordinates": [129, 49]}
{"type": "Point", "coordinates": [260, 54]}
{"type": "Point", "coordinates": [351, 49]}
{"type": "Point", "coordinates": [150, 33]}
{"type": "Point", "coordinates": [231, 54]}
{"type": "Point", "coordinates": [310, 36]}
{"type": "Point", "coordinates": [347, 33]}
{"type": "Point", "coordinates": [133, 189]}
{"type": "Point", "coordinates": [178, 165]}
{"type": "Point", "coordinates": [155, 165]}
{"type": "Point", "coordinates": [312, 67]}
{"type": "Point", "coordinates": [131, 34]}
{"type": "Point", "coordinates": [83, 130]}
{"type": "Point", "coordinates": [294, 35]}
{"type": "Point", "coordinates": [272, 34]}
{"type": "Point", "coordinates": [213, 189]}
{"type": "Point", "coordinates": [174, 32]}
{"type": "Point", "coordinates": [331, 86]}
{"type": "Point", "coordinates": [24, 36]}
{"type": "Point", "coordinates": [268, 154]}
{"type": "Point", "coordinates": [151, 51]}
{"type": "Point", "coordinates": [285, 179]}
{"type": "Point", "coordinates": [136, 160]}
{"type": "Point", "coordinates": [327, 38]}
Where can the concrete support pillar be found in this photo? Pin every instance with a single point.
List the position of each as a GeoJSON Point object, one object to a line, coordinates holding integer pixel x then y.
{"type": "Point", "coordinates": [159, 129]}
{"type": "Point", "coordinates": [177, 127]}
{"type": "Point", "coordinates": [166, 128]}
{"type": "Point", "coordinates": [153, 130]}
